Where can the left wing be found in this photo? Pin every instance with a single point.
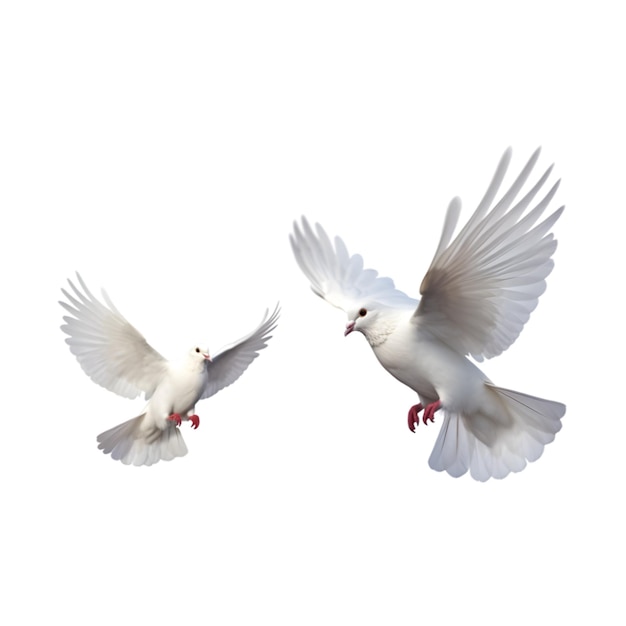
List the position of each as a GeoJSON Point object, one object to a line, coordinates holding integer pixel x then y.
{"type": "Point", "coordinates": [229, 364]}
{"type": "Point", "coordinates": [338, 277]}
{"type": "Point", "coordinates": [481, 289]}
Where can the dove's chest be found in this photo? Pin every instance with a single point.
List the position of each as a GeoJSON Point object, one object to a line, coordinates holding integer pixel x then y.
{"type": "Point", "coordinates": [403, 356]}
{"type": "Point", "coordinates": [180, 390]}
{"type": "Point", "coordinates": [428, 367]}
{"type": "Point", "coordinates": [432, 369]}
{"type": "Point", "coordinates": [187, 387]}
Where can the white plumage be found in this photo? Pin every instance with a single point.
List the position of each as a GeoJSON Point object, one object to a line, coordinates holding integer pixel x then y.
{"type": "Point", "coordinates": [116, 356]}
{"type": "Point", "coordinates": [476, 297]}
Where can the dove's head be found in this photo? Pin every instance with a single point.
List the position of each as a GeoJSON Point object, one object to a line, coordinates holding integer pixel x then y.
{"type": "Point", "coordinates": [199, 354]}
{"type": "Point", "coordinates": [372, 321]}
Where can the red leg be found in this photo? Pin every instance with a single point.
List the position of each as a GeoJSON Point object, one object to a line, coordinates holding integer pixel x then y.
{"type": "Point", "coordinates": [175, 417]}
{"type": "Point", "coordinates": [429, 411]}
{"type": "Point", "coordinates": [413, 417]}
{"type": "Point", "coordinates": [195, 421]}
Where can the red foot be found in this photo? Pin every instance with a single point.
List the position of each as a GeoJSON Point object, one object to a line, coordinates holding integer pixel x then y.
{"type": "Point", "coordinates": [175, 417]}
{"type": "Point", "coordinates": [429, 414]}
{"type": "Point", "coordinates": [195, 421]}
{"type": "Point", "coordinates": [429, 411]}
{"type": "Point", "coordinates": [413, 417]}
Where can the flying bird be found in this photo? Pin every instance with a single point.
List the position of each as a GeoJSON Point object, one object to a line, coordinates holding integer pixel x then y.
{"type": "Point", "coordinates": [476, 296]}
{"type": "Point", "coordinates": [116, 356]}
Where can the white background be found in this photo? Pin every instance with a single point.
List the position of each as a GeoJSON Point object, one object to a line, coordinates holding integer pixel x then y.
{"type": "Point", "coordinates": [163, 149]}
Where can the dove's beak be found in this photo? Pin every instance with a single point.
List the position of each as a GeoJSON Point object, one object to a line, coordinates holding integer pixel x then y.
{"type": "Point", "coordinates": [349, 328]}
{"type": "Point", "coordinates": [207, 357]}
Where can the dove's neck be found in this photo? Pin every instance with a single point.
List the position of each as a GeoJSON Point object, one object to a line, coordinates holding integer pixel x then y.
{"type": "Point", "coordinates": [191, 365]}
{"type": "Point", "coordinates": [378, 333]}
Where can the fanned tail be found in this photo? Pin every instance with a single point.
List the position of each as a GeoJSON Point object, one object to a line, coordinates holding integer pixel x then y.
{"type": "Point", "coordinates": [493, 449]}
{"type": "Point", "coordinates": [133, 445]}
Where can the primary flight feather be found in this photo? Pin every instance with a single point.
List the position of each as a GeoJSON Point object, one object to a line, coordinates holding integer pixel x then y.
{"type": "Point", "coordinates": [476, 296]}
{"type": "Point", "coordinates": [116, 356]}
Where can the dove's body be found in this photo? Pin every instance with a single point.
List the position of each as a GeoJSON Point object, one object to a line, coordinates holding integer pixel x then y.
{"type": "Point", "coordinates": [153, 435]}
{"type": "Point", "coordinates": [432, 370]}
{"type": "Point", "coordinates": [488, 430]}
{"type": "Point", "coordinates": [476, 297]}
{"type": "Point", "coordinates": [115, 355]}
{"type": "Point", "coordinates": [178, 392]}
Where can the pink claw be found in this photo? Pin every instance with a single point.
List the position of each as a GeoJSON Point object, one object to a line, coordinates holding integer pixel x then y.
{"type": "Point", "coordinates": [175, 417]}
{"type": "Point", "coordinates": [429, 414]}
{"type": "Point", "coordinates": [413, 417]}
{"type": "Point", "coordinates": [429, 411]}
{"type": "Point", "coordinates": [195, 421]}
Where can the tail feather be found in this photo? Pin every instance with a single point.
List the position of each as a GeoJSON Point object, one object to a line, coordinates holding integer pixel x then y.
{"type": "Point", "coordinates": [133, 445]}
{"type": "Point", "coordinates": [491, 448]}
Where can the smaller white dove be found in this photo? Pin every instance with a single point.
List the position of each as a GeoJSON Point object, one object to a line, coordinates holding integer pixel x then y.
{"type": "Point", "coordinates": [116, 356]}
{"type": "Point", "coordinates": [476, 297]}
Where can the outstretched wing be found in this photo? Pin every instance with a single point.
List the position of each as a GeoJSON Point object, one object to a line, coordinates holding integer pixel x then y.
{"type": "Point", "coordinates": [481, 289]}
{"type": "Point", "coordinates": [338, 277]}
{"type": "Point", "coordinates": [231, 362]}
{"type": "Point", "coordinates": [111, 351]}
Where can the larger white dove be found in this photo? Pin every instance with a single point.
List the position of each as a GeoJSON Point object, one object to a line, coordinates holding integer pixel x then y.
{"type": "Point", "coordinates": [116, 356]}
{"type": "Point", "coordinates": [476, 297]}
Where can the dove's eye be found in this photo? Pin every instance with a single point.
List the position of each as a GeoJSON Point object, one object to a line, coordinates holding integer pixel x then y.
{"type": "Point", "coordinates": [363, 312]}
{"type": "Point", "coordinates": [198, 350]}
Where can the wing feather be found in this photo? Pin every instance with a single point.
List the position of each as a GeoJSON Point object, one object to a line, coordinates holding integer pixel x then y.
{"type": "Point", "coordinates": [481, 289]}
{"type": "Point", "coordinates": [232, 361]}
{"type": "Point", "coordinates": [109, 349]}
{"type": "Point", "coordinates": [338, 277]}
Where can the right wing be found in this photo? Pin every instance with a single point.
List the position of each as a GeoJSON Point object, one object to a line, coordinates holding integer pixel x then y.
{"type": "Point", "coordinates": [111, 351]}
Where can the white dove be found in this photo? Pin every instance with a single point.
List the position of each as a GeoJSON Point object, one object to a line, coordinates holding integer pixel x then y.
{"type": "Point", "coordinates": [116, 356]}
{"type": "Point", "coordinates": [476, 297]}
